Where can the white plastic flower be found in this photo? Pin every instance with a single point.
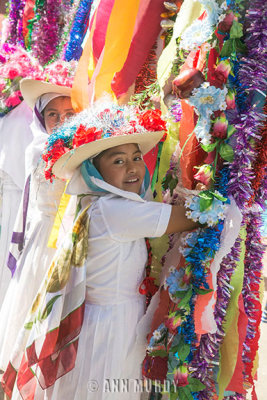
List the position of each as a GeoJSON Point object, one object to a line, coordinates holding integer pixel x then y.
{"type": "Point", "coordinates": [171, 269]}
{"type": "Point", "coordinates": [206, 47]}
{"type": "Point", "coordinates": [213, 10]}
{"type": "Point", "coordinates": [221, 215]}
{"type": "Point", "coordinates": [195, 35]}
{"type": "Point", "coordinates": [157, 335]}
{"type": "Point", "coordinates": [188, 214]}
{"type": "Point", "coordinates": [188, 202]}
{"type": "Point", "coordinates": [221, 18]}
{"type": "Point", "coordinates": [224, 5]}
{"type": "Point", "coordinates": [202, 131]}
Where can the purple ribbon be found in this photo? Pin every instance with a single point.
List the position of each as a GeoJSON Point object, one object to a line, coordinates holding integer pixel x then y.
{"type": "Point", "coordinates": [18, 237]}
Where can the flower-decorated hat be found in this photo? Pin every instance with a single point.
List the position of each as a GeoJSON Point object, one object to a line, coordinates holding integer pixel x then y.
{"type": "Point", "coordinates": [96, 129]}
{"type": "Point", "coordinates": [31, 89]}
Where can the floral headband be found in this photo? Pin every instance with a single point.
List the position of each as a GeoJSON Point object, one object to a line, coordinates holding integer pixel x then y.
{"type": "Point", "coordinates": [103, 120]}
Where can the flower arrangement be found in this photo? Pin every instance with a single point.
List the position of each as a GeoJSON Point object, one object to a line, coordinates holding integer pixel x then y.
{"type": "Point", "coordinates": [15, 64]}
{"type": "Point", "coordinates": [103, 122]}
{"type": "Point", "coordinates": [206, 208]}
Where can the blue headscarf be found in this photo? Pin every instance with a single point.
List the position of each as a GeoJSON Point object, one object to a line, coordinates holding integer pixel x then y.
{"type": "Point", "coordinates": [88, 170]}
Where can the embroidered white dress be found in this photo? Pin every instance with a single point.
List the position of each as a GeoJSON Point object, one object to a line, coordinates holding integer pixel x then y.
{"type": "Point", "coordinates": [108, 363]}
{"type": "Point", "coordinates": [33, 262]}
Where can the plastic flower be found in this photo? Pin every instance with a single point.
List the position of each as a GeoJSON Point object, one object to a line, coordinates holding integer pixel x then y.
{"type": "Point", "coordinates": [224, 5]}
{"type": "Point", "coordinates": [180, 376]}
{"type": "Point", "coordinates": [195, 35]}
{"type": "Point", "coordinates": [151, 120]}
{"type": "Point", "coordinates": [84, 135]}
{"type": "Point", "coordinates": [172, 322]}
{"type": "Point", "coordinates": [202, 131]}
{"type": "Point", "coordinates": [175, 281]}
{"type": "Point", "coordinates": [14, 99]}
{"type": "Point", "coordinates": [219, 129]}
{"type": "Point", "coordinates": [212, 9]}
{"type": "Point", "coordinates": [226, 24]}
{"type": "Point", "coordinates": [204, 174]}
{"type": "Point", "coordinates": [208, 208]}
{"type": "Point", "coordinates": [207, 99]}
{"type": "Point", "coordinates": [221, 73]}
{"type": "Point", "coordinates": [230, 100]}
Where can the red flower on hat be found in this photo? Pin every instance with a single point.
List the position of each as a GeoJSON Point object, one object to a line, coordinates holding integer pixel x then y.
{"type": "Point", "coordinates": [85, 135]}
{"type": "Point", "coordinates": [151, 120]}
{"type": "Point", "coordinates": [56, 152]}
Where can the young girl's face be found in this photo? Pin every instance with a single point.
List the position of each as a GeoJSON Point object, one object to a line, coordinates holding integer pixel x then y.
{"type": "Point", "coordinates": [123, 167]}
{"type": "Point", "coordinates": [56, 111]}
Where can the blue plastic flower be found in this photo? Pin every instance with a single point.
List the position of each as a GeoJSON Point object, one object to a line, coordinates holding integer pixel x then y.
{"type": "Point", "coordinates": [207, 99]}
{"type": "Point", "coordinates": [175, 281]}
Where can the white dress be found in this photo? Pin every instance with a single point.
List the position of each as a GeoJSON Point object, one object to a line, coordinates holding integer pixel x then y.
{"type": "Point", "coordinates": [9, 204]}
{"type": "Point", "coordinates": [33, 262]}
{"type": "Point", "coordinates": [15, 137]}
{"type": "Point", "coordinates": [108, 363]}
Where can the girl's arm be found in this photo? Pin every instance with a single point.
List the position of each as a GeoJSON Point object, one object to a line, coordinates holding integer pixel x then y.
{"type": "Point", "coordinates": [179, 222]}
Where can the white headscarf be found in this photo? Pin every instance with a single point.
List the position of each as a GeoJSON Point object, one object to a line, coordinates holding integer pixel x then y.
{"type": "Point", "coordinates": [34, 151]}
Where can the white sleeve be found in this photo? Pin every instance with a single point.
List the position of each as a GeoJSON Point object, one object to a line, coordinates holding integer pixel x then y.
{"type": "Point", "coordinates": [128, 220]}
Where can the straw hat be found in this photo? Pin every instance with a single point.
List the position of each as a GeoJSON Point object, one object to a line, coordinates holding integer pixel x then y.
{"type": "Point", "coordinates": [31, 89]}
{"type": "Point", "coordinates": [103, 126]}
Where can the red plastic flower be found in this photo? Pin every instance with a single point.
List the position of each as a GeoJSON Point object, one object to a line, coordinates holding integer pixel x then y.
{"type": "Point", "coordinates": [151, 120]}
{"type": "Point", "coordinates": [56, 152]}
{"type": "Point", "coordinates": [227, 23]}
{"type": "Point", "coordinates": [220, 126]}
{"type": "Point", "coordinates": [204, 174]}
{"type": "Point", "coordinates": [221, 73]}
{"type": "Point", "coordinates": [172, 323]}
{"type": "Point", "coordinates": [14, 99]}
{"type": "Point", "coordinates": [84, 135]}
{"type": "Point", "coordinates": [230, 100]}
{"type": "Point", "coordinates": [180, 376]}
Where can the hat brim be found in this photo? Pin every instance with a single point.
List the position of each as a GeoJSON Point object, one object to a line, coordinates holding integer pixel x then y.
{"type": "Point", "coordinates": [65, 166]}
{"type": "Point", "coordinates": [31, 89]}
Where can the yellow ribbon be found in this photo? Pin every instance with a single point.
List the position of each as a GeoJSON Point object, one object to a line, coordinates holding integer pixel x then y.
{"type": "Point", "coordinates": [118, 39]}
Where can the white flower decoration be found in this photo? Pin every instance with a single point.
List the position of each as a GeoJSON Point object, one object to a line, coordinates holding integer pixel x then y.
{"type": "Point", "coordinates": [157, 335]}
{"type": "Point", "coordinates": [224, 5]}
{"type": "Point", "coordinates": [171, 269]}
{"type": "Point", "coordinates": [188, 214]}
{"type": "Point", "coordinates": [195, 35]}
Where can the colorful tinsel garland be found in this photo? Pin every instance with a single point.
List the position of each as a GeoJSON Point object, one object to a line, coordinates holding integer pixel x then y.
{"type": "Point", "coordinates": [74, 50]}
{"type": "Point", "coordinates": [206, 357]}
{"type": "Point", "coordinates": [45, 34]}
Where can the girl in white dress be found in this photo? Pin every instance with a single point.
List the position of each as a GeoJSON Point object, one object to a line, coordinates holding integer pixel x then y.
{"type": "Point", "coordinates": [79, 341]}
{"type": "Point", "coordinates": [51, 105]}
